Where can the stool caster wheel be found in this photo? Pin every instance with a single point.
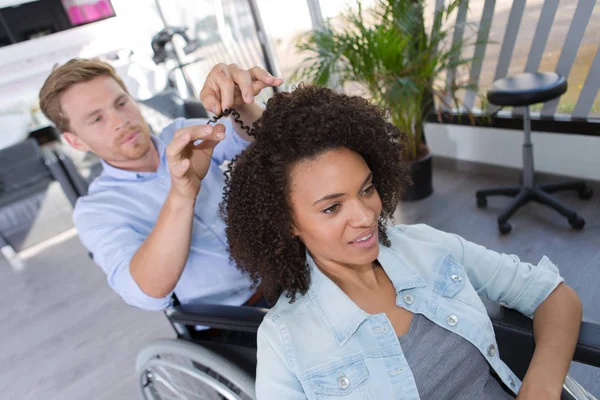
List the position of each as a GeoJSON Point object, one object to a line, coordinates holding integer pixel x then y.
{"type": "Point", "coordinates": [504, 228]}
{"type": "Point", "coordinates": [585, 193]}
{"type": "Point", "coordinates": [481, 202]}
{"type": "Point", "coordinates": [577, 222]}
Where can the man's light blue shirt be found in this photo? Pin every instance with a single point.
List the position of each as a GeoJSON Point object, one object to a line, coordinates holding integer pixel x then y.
{"type": "Point", "coordinates": [120, 211]}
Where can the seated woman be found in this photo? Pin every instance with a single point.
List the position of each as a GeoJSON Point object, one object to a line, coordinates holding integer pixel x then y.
{"type": "Point", "coordinates": [367, 310]}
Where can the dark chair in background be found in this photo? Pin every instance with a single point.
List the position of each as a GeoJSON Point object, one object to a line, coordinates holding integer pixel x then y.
{"type": "Point", "coordinates": [524, 90]}
{"type": "Point", "coordinates": [26, 171]}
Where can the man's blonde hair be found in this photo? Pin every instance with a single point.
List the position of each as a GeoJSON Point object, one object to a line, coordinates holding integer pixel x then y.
{"type": "Point", "coordinates": [62, 78]}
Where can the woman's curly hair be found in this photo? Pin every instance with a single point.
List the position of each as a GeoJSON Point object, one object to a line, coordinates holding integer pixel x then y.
{"type": "Point", "coordinates": [297, 126]}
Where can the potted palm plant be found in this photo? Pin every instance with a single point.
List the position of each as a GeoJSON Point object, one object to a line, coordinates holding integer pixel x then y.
{"type": "Point", "coordinates": [403, 67]}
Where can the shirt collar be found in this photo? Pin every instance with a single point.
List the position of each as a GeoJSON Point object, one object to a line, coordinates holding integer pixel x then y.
{"type": "Point", "coordinates": [339, 313]}
{"type": "Point", "coordinates": [123, 174]}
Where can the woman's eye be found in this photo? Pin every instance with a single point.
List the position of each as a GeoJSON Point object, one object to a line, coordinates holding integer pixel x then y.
{"type": "Point", "coordinates": [332, 209]}
{"type": "Point", "coordinates": [369, 190]}
{"type": "Point", "coordinates": [121, 104]}
{"type": "Point", "coordinates": [97, 119]}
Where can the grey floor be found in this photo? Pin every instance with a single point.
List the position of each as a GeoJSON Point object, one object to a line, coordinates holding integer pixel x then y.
{"type": "Point", "coordinates": [65, 335]}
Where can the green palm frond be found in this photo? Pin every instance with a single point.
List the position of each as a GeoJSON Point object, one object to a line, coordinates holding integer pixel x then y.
{"type": "Point", "coordinates": [388, 50]}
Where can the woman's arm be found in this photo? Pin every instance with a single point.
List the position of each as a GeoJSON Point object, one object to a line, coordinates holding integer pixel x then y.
{"type": "Point", "coordinates": [555, 328]}
{"type": "Point", "coordinates": [274, 380]}
{"type": "Point", "coordinates": [502, 278]}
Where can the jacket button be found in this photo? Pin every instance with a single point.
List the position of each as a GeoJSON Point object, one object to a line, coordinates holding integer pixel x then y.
{"type": "Point", "coordinates": [452, 320]}
{"type": "Point", "coordinates": [409, 298]}
{"type": "Point", "coordinates": [343, 382]}
{"type": "Point", "coordinates": [492, 350]}
{"type": "Point", "coordinates": [456, 278]}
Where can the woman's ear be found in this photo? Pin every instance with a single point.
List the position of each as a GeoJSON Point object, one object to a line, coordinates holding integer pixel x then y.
{"type": "Point", "coordinates": [294, 231]}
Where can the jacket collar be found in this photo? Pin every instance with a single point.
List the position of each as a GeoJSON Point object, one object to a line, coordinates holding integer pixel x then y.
{"type": "Point", "coordinates": [339, 313]}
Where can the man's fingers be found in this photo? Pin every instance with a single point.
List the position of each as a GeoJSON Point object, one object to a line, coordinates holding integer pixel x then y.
{"type": "Point", "coordinates": [243, 79]}
{"type": "Point", "coordinates": [227, 84]}
{"type": "Point", "coordinates": [195, 133]}
{"type": "Point", "coordinates": [222, 85]}
{"type": "Point", "coordinates": [261, 75]}
{"type": "Point", "coordinates": [180, 141]}
{"type": "Point", "coordinates": [258, 86]}
{"type": "Point", "coordinates": [209, 101]}
{"type": "Point", "coordinates": [210, 95]}
{"type": "Point", "coordinates": [208, 132]}
{"type": "Point", "coordinates": [212, 140]}
{"type": "Point", "coordinates": [265, 77]}
{"type": "Point", "coordinates": [180, 168]}
{"type": "Point", "coordinates": [205, 132]}
{"type": "Point", "coordinates": [207, 145]}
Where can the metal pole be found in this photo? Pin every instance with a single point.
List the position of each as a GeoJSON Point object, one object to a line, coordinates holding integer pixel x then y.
{"type": "Point", "coordinates": [265, 45]}
{"type": "Point", "coordinates": [316, 17]}
{"type": "Point", "coordinates": [528, 171]}
{"type": "Point", "coordinates": [180, 65]}
{"type": "Point", "coordinates": [160, 12]}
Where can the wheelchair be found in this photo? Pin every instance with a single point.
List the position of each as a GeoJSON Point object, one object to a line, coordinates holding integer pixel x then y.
{"type": "Point", "coordinates": [220, 363]}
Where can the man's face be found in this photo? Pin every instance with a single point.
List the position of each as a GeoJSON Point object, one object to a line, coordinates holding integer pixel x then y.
{"type": "Point", "coordinates": [105, 120]}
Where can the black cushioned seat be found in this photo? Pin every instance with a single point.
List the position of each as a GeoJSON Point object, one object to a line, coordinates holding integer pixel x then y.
{"type": "Point", "coordinates": [527, 88]}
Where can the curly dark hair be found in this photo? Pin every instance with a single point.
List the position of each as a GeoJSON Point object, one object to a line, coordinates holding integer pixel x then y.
{"type": "Point", "coordinates": [296, 126]}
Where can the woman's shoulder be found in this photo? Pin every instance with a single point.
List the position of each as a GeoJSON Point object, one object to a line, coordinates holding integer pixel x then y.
{"type": "Point", "coordinates": [284, 309]}
{"type": "Point", "coordinates": [420, 232]}
{"type": "Point", "coordinates": [286, 316]}
{"type": "Point", "coordinates": [423, 246]}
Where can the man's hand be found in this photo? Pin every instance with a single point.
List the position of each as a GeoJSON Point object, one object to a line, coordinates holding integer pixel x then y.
{"type": "Point", "coordinates": [229, 86]}
{"type": "Point", "coordinates": [189, 162]}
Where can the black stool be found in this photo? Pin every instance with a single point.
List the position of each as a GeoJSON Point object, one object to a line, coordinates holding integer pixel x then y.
{"type": "Point", "coordinates": [524, 90]}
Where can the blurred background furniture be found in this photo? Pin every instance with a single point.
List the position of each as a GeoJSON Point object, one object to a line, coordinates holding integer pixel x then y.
{"type": "Point", "coordinates": [524, 90]}
{"type": "Point", "coordinates": [170, 104]}
{"type": "Point", "coordinates": [26, 172]}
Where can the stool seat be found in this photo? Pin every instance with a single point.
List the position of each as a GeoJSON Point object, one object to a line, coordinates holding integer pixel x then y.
{"type": "Point", "coordinates": [526, 89]}
{"type": "Point", "coordinates": [523, 90]}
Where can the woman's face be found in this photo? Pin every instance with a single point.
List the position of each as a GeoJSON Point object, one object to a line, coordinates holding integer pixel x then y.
{"type": "Point", "coordinates": [335, 208]}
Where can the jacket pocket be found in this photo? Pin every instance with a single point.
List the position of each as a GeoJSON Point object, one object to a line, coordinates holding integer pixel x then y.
{"type": "Point", "coordinates": [452, 277]}
{"type": "Point", "coordinates": [453, 282]}
{"type": "Point", "coordinates": [348, 378]}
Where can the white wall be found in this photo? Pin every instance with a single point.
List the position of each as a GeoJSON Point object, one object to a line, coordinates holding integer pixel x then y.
{"type": "Point", "coordinates": [570, 155]}
{"type": "Point", "coordinates": [24, 66]}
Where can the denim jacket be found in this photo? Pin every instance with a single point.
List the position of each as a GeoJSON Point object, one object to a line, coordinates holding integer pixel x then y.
{"type": "Point", "coordinates": [323, 346]}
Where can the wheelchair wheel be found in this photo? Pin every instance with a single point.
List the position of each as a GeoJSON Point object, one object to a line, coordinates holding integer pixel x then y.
{"type": "Point", "coordinates": [176, 369]}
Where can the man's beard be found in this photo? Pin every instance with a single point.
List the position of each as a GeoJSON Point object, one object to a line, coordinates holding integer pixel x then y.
{"type": "Point", "coordinates": [134, 151]}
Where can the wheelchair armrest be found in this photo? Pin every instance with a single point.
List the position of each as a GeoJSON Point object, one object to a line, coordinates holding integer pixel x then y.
{"type": "Point", "coordinates": [235, 318]}
{"type": "Point", "coordinates": [588, 344]}
{"type": "Point", "coordinates": [514, 333]}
